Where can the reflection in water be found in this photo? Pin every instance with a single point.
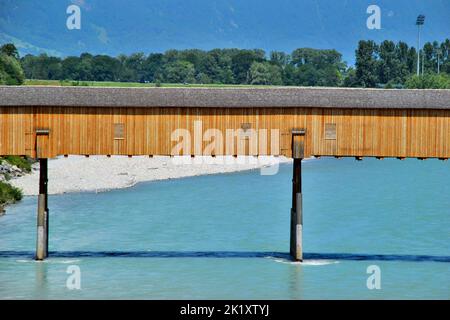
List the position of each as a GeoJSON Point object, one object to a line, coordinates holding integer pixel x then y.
{"type": "Point", "coordinates": [41, 282]}
{"type": "Point", "coordinates": [296, 282]}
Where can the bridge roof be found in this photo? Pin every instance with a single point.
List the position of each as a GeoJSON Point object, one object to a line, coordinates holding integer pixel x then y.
{"type": "Point", "coordinates": [356, 98]}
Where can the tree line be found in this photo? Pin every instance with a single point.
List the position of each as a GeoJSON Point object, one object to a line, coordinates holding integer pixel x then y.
{"type": "Point", "coordinates": [391, 64]}
{"type": "Point", "coordinates": [388, 64]}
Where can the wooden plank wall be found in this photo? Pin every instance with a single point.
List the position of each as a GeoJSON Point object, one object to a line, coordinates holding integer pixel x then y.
{"type": "Point", "coordinates": [147, 131]}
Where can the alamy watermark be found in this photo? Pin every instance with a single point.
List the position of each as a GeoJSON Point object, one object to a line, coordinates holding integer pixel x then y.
{"type": "Point", "coordinates": [73, 281]}
{"type": "Point", "coordinates": [212, 146]}
{"type": "Point", "coordinates": [374, 280]}
{"type": "Point", "coordinates": [73, 21]}
{"type": "Point", "coordinates": [374, 20]}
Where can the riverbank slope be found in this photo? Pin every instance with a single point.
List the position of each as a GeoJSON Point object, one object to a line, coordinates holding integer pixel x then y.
{"type": "Point", "coordinates": [100, 173]}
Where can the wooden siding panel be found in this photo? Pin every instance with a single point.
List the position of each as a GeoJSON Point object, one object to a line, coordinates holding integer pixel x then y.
{"type": "Point", "coordinates": [359, 132]}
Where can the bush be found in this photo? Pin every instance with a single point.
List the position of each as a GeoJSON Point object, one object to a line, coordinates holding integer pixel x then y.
{"type": "Point", "coordinates": [428, 81]}
{"type": "Point", "coordinates": [19, 162]}
{"type": "Point", "coordinates": [9, 194]}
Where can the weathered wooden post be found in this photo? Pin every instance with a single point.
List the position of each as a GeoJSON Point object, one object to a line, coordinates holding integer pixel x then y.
{"type": "Point", "coordinates": [42, 215]}
{"type": "Point", "coordinates": [42, 136]}
{"type": "Point", "coordinates": [298, 145]}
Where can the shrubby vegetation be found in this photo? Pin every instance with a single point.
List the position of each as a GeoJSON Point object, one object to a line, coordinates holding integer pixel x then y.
{"type": "Point", "coordinates": [22, 163]}
{"type": "Point", "coordinates": [8, 195]}
{"type": "Point", "coordinates": [441, 81]}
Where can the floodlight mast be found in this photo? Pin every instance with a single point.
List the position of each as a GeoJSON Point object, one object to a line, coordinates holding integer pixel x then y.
{"type": "Point", "coordinates": [419, 22]}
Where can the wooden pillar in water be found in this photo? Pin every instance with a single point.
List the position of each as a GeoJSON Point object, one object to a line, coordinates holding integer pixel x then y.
{"type": "Point", "coordinates": [42, 214]}
{"type": "Point", "coordinates": [296, 245]}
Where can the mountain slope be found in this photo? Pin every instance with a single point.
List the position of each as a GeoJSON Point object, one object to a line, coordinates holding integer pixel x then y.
{"type": "Point", "coordinates": [114, 26]}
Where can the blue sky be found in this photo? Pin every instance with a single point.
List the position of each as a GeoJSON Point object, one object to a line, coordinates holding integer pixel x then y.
{"type": "Point", "coordinates": [114, 27]}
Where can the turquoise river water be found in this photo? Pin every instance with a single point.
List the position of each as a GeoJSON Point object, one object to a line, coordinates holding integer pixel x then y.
{"type": "Point", "coordinates": [227, 237]}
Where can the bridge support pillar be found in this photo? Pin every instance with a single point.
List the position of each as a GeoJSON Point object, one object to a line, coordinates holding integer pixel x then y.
{"type": "Point", "coordinates": [296, 245]}
{"type": "Point", "coordinates": [43, 212]}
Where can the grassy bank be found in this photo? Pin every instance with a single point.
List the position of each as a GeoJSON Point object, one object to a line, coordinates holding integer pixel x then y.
{"type": "Point", "coordinates": [8, 195]}
{"type": "Point", "coordinates": [21, 163]}
{"type": "Point", "coordinates": [69, 83]}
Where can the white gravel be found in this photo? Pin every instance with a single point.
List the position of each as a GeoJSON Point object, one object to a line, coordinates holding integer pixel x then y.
{"type": "Point", "coordinates": [100, 173]}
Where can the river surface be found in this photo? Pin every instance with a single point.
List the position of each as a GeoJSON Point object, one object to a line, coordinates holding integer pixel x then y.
{"type": "Point", "coordinates": [227, 237]}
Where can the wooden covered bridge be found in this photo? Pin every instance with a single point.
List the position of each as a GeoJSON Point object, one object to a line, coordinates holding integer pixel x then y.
{"type": "Point", "coordinates": [44, 122]}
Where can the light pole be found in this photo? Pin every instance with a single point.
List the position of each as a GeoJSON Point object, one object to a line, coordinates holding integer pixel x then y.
{"type": "Point", "coordinates": [419, 22]}
{"type": "Point", "coordinates": [438, 53]}
{"type": "Point", "coordinates": [423, 61]}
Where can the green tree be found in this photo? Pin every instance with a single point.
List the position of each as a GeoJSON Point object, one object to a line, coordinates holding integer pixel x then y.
{"type": "Point", "coordinates": [179, 72]}
{"type": "Point", "coordinates": [11, 72]}
{"type": "Point", "coordinates": [366, 63]}
{"type": "Point", "coordinates": [412, 60]}
{"type": "Point", "coordinates": [53, 68]}
{"type": "Point", "coordinates": [69, 66]}
{"type": "Point", "coordinates": [444, 57]}
{"type": "Point", "coordinates": [10, 50]}
{"type": "Point", "coordinates": [105, 68]}
{"type": "Point", "coordinates": [241, 63]}
{"type": "Point", "coordinates": [194, 56]}
{"type": "Point", "coordinates": [208, 66]}
{"type": "Point", "coordinates": [350, 79]}
{"type": "Point", "coordinates": [152, 67]}
{"type": "Point", "coordinates": [265, 73]}
{"type": "Point", "coordinates": [317, 58]}
{"type": "Point", "coordinates": [315, 67]}
{"type": "Point", "coordinates": [202, 78]}
{"type": "Point", "coordinates": [85, 67]}
{"type": "Point", "coordinates": [226, 76]}
{"type": "Point", "coordinates": [388, 65]}
{"type": "Point", "coordinates": [429, 51]}
{"type": "Point", "coordinates": [133, 67]}
{"type": "Point", "coordinates": [306, 75]}
{"type": "Point", "coordinates": [279, 58]}
{"type": "Point", "coordinates": [288, 75]}
{"type": "Point", "coordinates": [172, 55]}
{"type": "Point", "coordinates": [42, 67]}
{"type": "Point", "coordinates": [224, 71]}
